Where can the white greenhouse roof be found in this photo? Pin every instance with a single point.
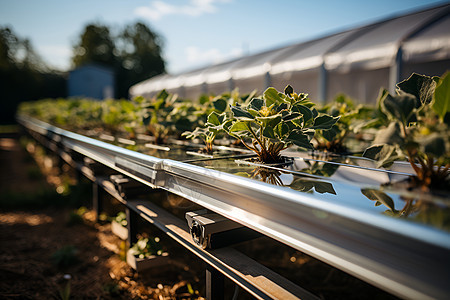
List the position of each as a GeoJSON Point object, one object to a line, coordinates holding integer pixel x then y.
{"type": "Point", "coordinates": [418, 42]}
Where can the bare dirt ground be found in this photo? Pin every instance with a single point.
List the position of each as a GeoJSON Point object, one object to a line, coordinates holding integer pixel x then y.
{"type": "Point", "coordinates": [33, 233]}
{"type": "Point", "coordinates": [46, 244]}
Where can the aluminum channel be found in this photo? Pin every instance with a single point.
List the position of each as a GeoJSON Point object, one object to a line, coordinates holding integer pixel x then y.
{"type": "Point", "coordinates": [406, 259]}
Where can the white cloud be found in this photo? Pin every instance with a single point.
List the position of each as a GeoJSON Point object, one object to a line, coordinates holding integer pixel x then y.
{"type": "Point", "coordinates": [158, 9]}
{"type": "Point", "coordinates": [197, 56]}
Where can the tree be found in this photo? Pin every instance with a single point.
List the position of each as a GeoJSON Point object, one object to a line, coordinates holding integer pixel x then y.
{"type": "Point", "coordinates": [23, 75]}
{"type": "Point", "coordinates": [140, 55]}
{"type": "Point", "coordinates": [95, 46]}
{"type": "Point", "coordinates": [134, 53]}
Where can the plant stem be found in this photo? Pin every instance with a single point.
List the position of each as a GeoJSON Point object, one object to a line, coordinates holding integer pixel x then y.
{"type": "Point", "coordinates": [411, 158]}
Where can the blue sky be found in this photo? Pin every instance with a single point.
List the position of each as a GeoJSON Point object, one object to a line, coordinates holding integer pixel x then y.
{"type": "Point", "coordinates": [196, 32]}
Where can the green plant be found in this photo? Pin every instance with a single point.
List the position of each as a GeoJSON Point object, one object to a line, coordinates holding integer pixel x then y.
{"type": "Point", "coordinates": [417, 130]}
{"type": "Point", "coordinates": [213, 126]}
{"type": "Point", "coordinates": [121, 218]}
{"type": "Point", "coordinates": [116, 114]}
{"type": "Point", "coordinates": [65, 257]}
{"type": "Point", "coordinates": [76, 216]}
{"type": "Point", "coordinates": [155, 114]}
{"type": "Point", "coordinates": [65, 292]}
{"type": "Point", "coordinates": [146, 247]}
{"type": "Point", "coordinates": [215, 111]}
{"type": "Point", "coordinates": [352, 118]}
{"type": "Point", "coordinates": [275, 122]}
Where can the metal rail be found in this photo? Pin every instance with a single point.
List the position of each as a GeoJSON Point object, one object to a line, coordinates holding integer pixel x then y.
{"type": "Point", "coordinates": [406, 259]}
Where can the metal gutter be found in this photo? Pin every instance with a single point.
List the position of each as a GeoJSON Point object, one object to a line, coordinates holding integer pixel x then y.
{"type": "Point", "coordinates": [403, 258]}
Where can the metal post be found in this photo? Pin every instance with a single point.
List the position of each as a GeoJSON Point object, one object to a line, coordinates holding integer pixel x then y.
{"type": "Point", "coordinates": [230, 84]}
{"type": "Point", "coordinates": [396, 70]}
{"type": "Point", "coordinates": [214, 284]}
{"type": "Point", "coordinates": [97, 200]}
{"type": "Point", "coordinates": [131, 226]}
{"type": "Point", "coordinates": [267, 80]}
{"type": "Point", "coordinates": [323, 83]}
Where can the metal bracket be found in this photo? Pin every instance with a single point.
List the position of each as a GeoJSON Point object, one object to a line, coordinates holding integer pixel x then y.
{"type": "Point", "coordinates": [211, 230]}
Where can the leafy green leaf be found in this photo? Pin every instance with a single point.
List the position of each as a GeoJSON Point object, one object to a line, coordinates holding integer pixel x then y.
{"type": "Point", "coordinates": [239, 112]}
{"type": "Point", "coordinates": [162, 95]}
{"type": "Point", "coordinates": [324, 122]}
{"type": "Point", "coordinates": [420, 86]}
{"type": "Point", "coordinates": [331, 133]}
{"type": "Point", "coordinates": [239, 126]}
{"type": "Point", "coordinates": [281, 107]}
{"type": "Point", "coordinates": [271, 96]}
{"type": "Point", "coordinates": [271, 120]}
{"type": "Point", "coordinates": [216, 119]}
{"type": "Point", "coordinates": [305, 111]}
{"type": "Point", "coordinates": [282, 129]}
{"type": "Point", "coordinates": [269, 133]}
{"type": "Point", "coordinates": [292, 116]}
{"type": "Point", "coordinates": [441, 103]}
{"type": "Point", "coordinates": [433, 145]}
{"type": "Point", "coordinates": [220, 105]}
{"type": "Point", "coordinates": [288, 90]}
{"type": "Point", "coordinates": [213, 119]}
{"type": "Point", "coordinates": [256, 104]}
{"type": "Point", "coordinates": [300, 139]}
{"type": "Point", "coordinates": [390, 135]}
{"type": "Point", "coordinates": [400, 107]}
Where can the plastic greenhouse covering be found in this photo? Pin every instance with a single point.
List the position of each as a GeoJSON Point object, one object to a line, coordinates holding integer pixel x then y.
{"type": "Point", "coordinates": [357, 62]}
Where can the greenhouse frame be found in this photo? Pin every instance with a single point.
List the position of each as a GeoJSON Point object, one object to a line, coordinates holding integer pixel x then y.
{"type": "Point", "coordinates": [357, 62]}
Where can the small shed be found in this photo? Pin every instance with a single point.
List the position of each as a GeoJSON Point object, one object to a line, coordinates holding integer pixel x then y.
{"type": "Point", "coordinates": [91, 81]}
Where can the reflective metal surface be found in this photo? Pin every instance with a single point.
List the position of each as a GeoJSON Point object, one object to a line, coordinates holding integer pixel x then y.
{"type": "Point", "coordinates": [350, 216]}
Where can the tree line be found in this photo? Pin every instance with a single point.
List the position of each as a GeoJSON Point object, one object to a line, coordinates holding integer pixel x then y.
{"type": "Point", "coordinates": [134, 54]}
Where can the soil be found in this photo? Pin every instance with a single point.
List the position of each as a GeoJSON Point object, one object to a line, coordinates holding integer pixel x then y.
{"type": "Point", "coordinates": [47, 244]}
{"type": "Point", "coordinates": [46, 247]}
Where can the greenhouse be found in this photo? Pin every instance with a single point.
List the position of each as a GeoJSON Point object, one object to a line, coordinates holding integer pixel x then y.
{"type": "Point", "coordinates": [356, 62]}
{"type": "Point", "coordinates": [319, 170]}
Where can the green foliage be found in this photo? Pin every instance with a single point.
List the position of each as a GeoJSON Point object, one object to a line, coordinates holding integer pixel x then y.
{"type": "Point", "coordinates": [117, 114]}
{"type": "Point", "coordinates": [76, 216]}
{"type": "Point", "coordinates": [65, 257]}
{"type": "Point", "coordinates": [146, 247]}
{"type": "Point", "coordinates": [159, 116]}
{"type": "Point", "coordinates": [121, 218]}
{"type": "Point", "coordinates": [441, 99]}
{"type": "Point", "coordinates": [23, 75]}
{"type": "Point", "coordinates": [214, 124]}
{"type": "Point", "coordinates": [352, 118]}
{"type": "Point", "coordinates": [64, 293]}
{"type": "Point", "coordinates": [134, 53]}
{"type": "Point", "coordinates": [275, 122]}
{"type": "Point", "coordinates": [416, 130]}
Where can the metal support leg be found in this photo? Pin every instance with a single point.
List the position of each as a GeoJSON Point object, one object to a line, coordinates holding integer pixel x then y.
{"type": "Point", "coordinates": [132, 218]}
{"type": "Point", "coordinates": [214, 284]}
{"type": "Point", "coordinates": [97, 200]}
{"type": "Point", "coordinates": [78, 176]}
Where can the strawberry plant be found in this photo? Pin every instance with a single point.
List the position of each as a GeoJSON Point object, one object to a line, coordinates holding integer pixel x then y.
{"type": "Point", "coordinates": [352, 118]}
{"type": "Point", "coordinates": [417, 130]}
{"type": "Point", "coordinates": [278, 120]}
{"type": "Point", "coordinates": [213, 126]}
{"type": "Point", "coordinates": [146, 247]}
{"type": "Point", "coordinates": [218, 117]}
{"type": "Point", "coordinates": [155, 114]}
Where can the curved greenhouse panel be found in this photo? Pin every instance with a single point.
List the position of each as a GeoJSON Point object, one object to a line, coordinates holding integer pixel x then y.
{"type": "Point", "coordinates": [356, 62]}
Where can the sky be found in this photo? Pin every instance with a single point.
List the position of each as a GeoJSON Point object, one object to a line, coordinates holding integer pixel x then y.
{"type": "Point", "coordinates": [195, 32]}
